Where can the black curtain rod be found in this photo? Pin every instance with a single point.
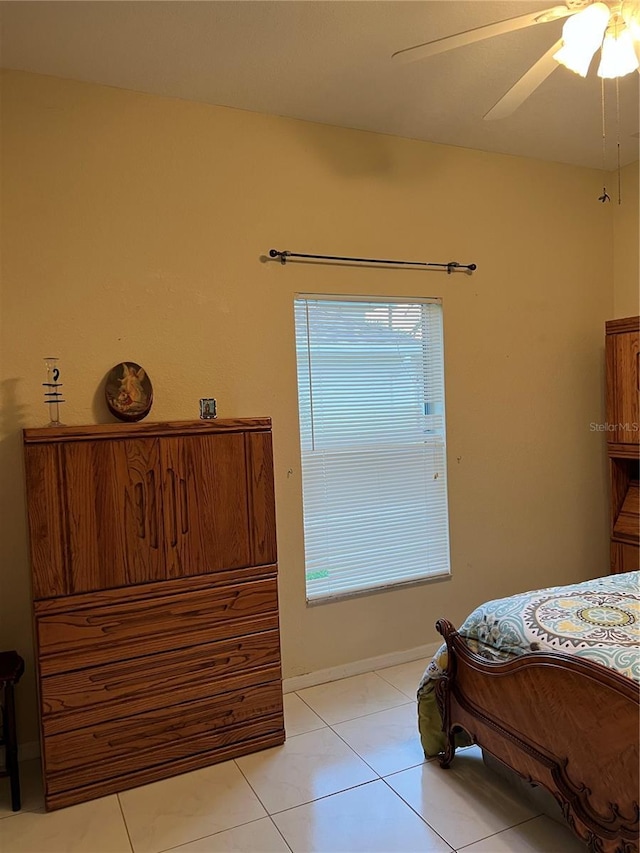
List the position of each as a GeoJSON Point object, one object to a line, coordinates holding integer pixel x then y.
{"type": "Point", "coordinates": [450, 267]}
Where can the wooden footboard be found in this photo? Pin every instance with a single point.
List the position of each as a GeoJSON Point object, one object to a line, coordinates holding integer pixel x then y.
{"type": "Point", "coordinates": [559, 721]}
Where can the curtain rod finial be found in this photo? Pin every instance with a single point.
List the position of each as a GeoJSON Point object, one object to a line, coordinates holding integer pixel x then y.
{"type": "Point", "coordinates": [274, 253]}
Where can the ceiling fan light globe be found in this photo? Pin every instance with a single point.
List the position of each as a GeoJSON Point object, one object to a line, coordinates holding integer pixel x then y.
{"type": "Point", "coordinates": [577, 60]}
{"type": "Point", "coordinates": [618, 57]}
{"type": "Point", "coordinates": [582, 35]}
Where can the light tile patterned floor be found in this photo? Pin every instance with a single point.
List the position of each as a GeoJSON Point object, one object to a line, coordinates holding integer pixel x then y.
{"type": "Point", "coordinates": [351, 778]}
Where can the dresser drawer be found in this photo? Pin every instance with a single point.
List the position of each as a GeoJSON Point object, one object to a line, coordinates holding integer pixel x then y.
{"type": "Point", "coordinates": [82, 638]}
{"type": "Point", "coordinates": [109, 749]}
{"type": "Point", "coordinates": [112, 691]}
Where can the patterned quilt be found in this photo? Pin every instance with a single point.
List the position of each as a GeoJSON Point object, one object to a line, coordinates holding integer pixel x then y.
{"type": "Point", "coordinates": [598, 620]}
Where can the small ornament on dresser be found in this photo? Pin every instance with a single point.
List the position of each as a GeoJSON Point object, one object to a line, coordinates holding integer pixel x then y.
{"type": "Point", "coordinates": [52, 394]}
{"type": "Point", "coordinates": [129, 392]}
{"type": "Point", "coordinates": [208, 409]}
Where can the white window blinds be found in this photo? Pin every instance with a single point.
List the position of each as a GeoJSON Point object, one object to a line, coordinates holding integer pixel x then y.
{"type": "Point", "coordinates": [372, 422]}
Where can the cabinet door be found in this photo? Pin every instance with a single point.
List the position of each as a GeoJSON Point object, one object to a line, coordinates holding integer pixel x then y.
{"type": "Point", "coordinates": [46, 521]}
{"type": "Point", "coordinates": [623, 387]}
{"type": "Point", "coordinates": [262, 508]}
{"type": "Point", "coordinates": [113, 513]}
{"type": "Point", "coordinates": [206, 514]}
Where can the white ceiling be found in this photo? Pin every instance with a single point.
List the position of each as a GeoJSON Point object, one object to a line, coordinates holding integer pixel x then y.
{"type": "Point", "coordinates": [330, 61]}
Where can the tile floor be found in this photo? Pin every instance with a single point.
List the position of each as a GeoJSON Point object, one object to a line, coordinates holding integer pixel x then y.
{"type": "Point", "coordinates": [350, 777]}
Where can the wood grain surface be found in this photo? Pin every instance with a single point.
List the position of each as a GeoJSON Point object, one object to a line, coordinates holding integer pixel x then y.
{"type": "Point", "coordinates": [560, 721]}
{"type": "Point", "coordinates": [624, 557]}
{"type": "Point", "coordinates": [114, 432]}
{"type": "Point", "coordinates": [74, 640]}
{"type": "Point", "coordinates": [78, 785]}
{"type": "Point", "coordinates": [204, 493]}
{"type": "Point", "coordinates": [114, 523]}
{"type": "Point", "coordinates": [623, 440]}
{"type": "Point", "coordinates": [260, 493]}
{"type": "Point", "coordinates": [111, 691]}
{"type": "Point", "coordinates": [47, 530]}
{"type": "Point", "coordinates": [623, 387]}
{"type": "Point", "coordinates": [153, 552]}
{"type": "Point", "coordinates": [125, 744]}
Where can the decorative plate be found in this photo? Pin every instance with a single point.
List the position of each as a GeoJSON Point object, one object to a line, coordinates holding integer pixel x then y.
{"type": "Point", "coordinates": [129, 392]}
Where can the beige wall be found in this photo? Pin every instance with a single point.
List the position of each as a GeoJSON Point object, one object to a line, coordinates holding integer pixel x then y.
{"type": "Point", "coordinates": [626, 254]}
{"type": "Point", "coordinates": [133, 229]}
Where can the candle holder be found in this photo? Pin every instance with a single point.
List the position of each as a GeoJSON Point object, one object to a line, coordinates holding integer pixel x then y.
{"type": "Point", "coordinates": [52, 394]}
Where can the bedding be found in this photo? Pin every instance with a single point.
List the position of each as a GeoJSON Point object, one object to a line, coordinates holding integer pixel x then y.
{"type": "Point", "coordinates": [598, 619]}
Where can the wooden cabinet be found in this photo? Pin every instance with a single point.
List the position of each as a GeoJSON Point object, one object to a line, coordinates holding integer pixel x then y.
{"type": "Point", "coordinates": [153, 553]}
{"type": "Point", "coordinates": [623, 434]}
{"type": "Point", "coordinates": [623, 381]}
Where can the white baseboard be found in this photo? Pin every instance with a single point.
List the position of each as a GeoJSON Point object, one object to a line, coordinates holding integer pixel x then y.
{"type": "Point", "coordinates": [334, 673]}
{"type": "Point", "coordinates": [27, 751]}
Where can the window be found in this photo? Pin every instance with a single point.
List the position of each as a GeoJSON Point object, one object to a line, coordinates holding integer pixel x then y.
{"type": "Point", "coordinates": [372, 424]}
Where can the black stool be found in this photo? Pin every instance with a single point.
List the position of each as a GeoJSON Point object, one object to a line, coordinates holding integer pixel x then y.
{"type": "Point", "coordinates": [11, 669]}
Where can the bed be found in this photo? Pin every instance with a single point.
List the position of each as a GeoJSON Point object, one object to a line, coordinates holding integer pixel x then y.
{"type": "Point", "coordinates": [547, 683]}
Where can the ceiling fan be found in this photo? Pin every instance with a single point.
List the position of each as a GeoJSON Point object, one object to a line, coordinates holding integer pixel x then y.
{"type": "Point", "coordinates": [613, 26]}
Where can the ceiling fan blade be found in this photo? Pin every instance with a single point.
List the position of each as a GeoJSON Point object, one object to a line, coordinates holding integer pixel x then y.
{"type": "Point", "coordinates": [526, 85]}
{"type": "Point", "coordinates": [431, 48]}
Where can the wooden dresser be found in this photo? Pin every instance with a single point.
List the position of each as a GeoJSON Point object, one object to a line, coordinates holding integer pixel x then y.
{"type": "Point", "coordinates": [623, 436]}
{"type": "Point", "coordinates": [153, 556]}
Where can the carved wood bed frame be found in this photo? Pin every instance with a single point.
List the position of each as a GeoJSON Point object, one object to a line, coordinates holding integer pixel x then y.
{"type": "Point", "coordinates": [559, 721]}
